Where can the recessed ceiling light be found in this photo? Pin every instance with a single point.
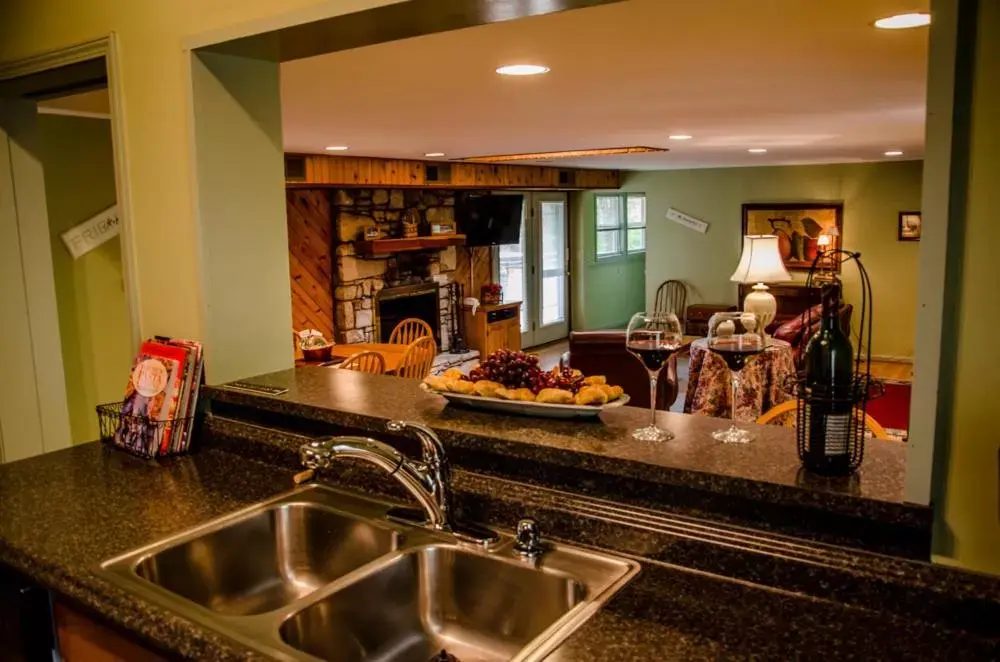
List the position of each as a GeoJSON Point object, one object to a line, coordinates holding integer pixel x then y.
{"type": "Point", "coordinates": [522, 70]}
{"type": "Point", "coordinates": [434, 154]}
{"type": "Point", "coordinates": [756, 150]}
{"type": "Point", "coordinates": [680, 136]}
{"type": "Point", "coordinates": [894, 152]}
{"type": "Point", "coordinates": [903, 21]}
{"type": "Point", "coordinates": [336, 148]}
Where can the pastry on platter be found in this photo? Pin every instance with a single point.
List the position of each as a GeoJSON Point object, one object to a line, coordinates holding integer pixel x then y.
{"type": "Point", "coordinates": [461, 386]}
{"type": "Point", "coordinates": [436, 383]}
{"type": "Point", "coordinates": [595, 380]}
{"type": "Point", "coordinates": [613, 392]}
{"type": "Point", "coordinates": [591, 395]}
{"type": "Point", "coordinates": [453, 373]}
{"type": "Point", "coordinates": [487, 388]}
{"type": "Point", "coordinates": [555, 396]}
{"type": "Point", "coordinates": [523, 394]}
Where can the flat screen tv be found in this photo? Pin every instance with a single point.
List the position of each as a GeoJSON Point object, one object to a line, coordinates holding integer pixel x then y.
{"type": "Point", "coordinates": [489, 220]}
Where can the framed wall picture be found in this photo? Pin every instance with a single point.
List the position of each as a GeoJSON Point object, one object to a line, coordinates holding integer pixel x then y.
{"type": "Point", "coordinates": [798, 227]}
{"type": "Point", "coordinates": [910, 224]}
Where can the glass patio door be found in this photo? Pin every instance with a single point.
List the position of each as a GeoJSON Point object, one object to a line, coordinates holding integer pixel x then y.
{"type": "Point", "coordinates": [533, 271]}
{"type": "Point", "coordinates": [549, 316]}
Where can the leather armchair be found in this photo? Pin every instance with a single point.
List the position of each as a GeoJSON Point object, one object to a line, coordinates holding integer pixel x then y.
{"type": "Point", "coordinates": [794, 332]}
{"type": "Point", "coordinates": [603, 353]}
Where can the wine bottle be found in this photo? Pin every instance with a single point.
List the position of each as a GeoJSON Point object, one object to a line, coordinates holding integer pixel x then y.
{"type": "Point", "coordinates": [829, 379]}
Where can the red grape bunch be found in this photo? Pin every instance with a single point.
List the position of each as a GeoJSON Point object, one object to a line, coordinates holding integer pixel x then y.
{"type": "Point", "coordinates": [566, 379]}
{"type": "Point", "coordinates": [512, 369]}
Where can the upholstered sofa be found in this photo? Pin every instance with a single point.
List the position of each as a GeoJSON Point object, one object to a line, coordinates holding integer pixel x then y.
{"type": "Point", "coordinates": [603, 353]}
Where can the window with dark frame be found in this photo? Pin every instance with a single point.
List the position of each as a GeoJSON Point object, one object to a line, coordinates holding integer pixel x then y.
{"type": "Point", "coordinates": [620, 224]}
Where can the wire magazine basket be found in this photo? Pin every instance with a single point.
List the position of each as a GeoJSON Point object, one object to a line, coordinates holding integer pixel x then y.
{"type": "Point", "coordinates": [142, 436]}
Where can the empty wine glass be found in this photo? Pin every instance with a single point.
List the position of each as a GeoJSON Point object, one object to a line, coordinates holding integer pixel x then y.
{"type": "Point", "coordinates": [652, 338]}
{"type": "Point", "coordinates": [734, 336]}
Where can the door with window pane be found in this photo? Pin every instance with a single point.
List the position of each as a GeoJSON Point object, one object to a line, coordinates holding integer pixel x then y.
{"type": "Point", "coordinates": [533, 271]}
{"type": "Point", "coordinates": [550, 319]}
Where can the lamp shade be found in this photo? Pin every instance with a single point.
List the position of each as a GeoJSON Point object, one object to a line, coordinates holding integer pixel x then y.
{"type": "Point", "coordinates": [761, 261]}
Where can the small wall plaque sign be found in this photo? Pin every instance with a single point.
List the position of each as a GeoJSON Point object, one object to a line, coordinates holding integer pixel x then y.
{"type": "Point", "coordinates": [93, 232]}
{"type": "Point", "coordinates": [687, 221]}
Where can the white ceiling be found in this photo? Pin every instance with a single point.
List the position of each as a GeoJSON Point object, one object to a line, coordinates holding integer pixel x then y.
{"type": "Point", "coordinates": [812, 81]}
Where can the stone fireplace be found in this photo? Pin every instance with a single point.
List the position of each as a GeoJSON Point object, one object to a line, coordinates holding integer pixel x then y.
{"type": "Point", "coordinates": [372, 294]}
{"type": "Point", "coordinates": [394, 304]}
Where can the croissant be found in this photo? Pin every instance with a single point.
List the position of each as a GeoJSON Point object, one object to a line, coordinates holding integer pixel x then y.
{"type": "Point", "coordinates": [556, 396]}
{"type": "Point", "coordinates": [453, 373]}
{"type": "Point", "coordinates": [595, 380]}
{"type": "Point", "coordinates": [486, 388]}
{"type": "Point", "coordinates": [436, 383]}
{"type": "Point", "coordinates": [591, 395]}
{"type": "Point", "coordinates": [461, 386]}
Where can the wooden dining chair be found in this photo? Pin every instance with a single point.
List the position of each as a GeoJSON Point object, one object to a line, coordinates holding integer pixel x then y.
{"type": "Point", "coordinates": [418, 359]}
{"type": "Point", "coordinates": [671, 297]}
{"type": "Point", "coordinates": [410, 330]}
{"type": "Point", "coordinates": [370, 362]}
{"type": "Point", "coordinates": [784, 414]}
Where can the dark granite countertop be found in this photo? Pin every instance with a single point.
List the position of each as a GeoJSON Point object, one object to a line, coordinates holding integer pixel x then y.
{"type": "Point", "coordinates": [64, 513]}
{"type": "Point", "coordinates": [767, 469]}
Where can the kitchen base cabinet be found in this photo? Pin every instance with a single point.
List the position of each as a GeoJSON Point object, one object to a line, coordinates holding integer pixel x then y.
{"type": "Point", "coordinates": [81, 639]}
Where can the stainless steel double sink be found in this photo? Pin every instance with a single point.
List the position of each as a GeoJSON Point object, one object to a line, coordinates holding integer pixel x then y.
{"type": "Point", "coordinates": [318, 573]}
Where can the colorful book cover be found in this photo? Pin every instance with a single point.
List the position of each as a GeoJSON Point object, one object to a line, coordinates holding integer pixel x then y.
{"type": "Point", "coordinates": [152, 392]}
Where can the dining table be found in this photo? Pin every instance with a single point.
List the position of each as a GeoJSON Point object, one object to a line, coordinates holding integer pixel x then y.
{"type": "Point", "coordinates": [391, 353]}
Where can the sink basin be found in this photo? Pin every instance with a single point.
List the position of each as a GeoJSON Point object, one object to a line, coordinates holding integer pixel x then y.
{"type": "Point", "coordinates": [267, 560]}
{"type": "Point", "coordinates": [319, 573]}
{"type": "Point", "coordinates": [477, 608]}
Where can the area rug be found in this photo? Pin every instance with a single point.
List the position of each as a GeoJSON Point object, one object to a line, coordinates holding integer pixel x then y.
{"type": "Point", "coordinates": [892, 409]}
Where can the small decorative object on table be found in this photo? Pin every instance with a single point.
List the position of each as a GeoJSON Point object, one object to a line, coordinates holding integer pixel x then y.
{"type": "Point", "coordinates": [156, 418]}
{"type": "Point", "coordinates": [733, 336]}
{"type": "Point", "coordinates": [315, 348]}
{"type": "Point", "coordinates": [834, 386]}
{"type": "Point", "coordinates": [491, 294]}
{"type": "Point", "coordinates": [411, 223]}
{"type": "Point", "coordinates": [371, 232]}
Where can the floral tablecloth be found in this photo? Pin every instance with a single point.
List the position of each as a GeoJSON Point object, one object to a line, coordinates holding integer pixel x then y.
{"type": "Point", "coordinates": [762, 382]}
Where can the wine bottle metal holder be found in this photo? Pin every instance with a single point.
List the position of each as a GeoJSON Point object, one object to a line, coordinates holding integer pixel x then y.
{"type": "Point", "coordinates": [140, 435]}
{"type": "Point", "coordinates": [863, 387]}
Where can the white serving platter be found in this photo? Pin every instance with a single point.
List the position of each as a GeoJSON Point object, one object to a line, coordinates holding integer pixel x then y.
{"type": "Point", "coordinates": [522, 408]}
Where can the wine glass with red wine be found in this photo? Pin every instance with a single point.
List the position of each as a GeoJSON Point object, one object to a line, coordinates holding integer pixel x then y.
{"type": "Point", "coordinates": [735, 337]}
{"type": "Point", "coordinates": [652, 338]}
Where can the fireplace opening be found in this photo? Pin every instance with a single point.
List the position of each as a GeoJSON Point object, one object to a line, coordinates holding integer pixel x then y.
{"type": "Point", "coordinates": [395, 304]}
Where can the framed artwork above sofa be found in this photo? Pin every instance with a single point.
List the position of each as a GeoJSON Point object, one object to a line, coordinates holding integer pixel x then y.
{"type": "Point", "coordinates": [798, 226]}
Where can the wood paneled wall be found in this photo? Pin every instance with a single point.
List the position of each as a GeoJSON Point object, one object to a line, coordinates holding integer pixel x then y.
{"type": "Point", "coordinates": [310, 255]}
{"type": "Point", "coordinates": [349, 171]}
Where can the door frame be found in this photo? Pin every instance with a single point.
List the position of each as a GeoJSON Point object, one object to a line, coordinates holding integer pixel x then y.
{"type": "Point", "coordinates": [43, 420]}
{"type": "Point", "coordinates": [543, 335]}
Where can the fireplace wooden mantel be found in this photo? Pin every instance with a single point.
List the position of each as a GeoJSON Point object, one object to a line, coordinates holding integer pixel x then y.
{"type": "Point", "coordinates": [377, 247]}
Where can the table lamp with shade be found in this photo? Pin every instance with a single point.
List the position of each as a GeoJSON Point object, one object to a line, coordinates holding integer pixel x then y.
{"type": "Point", "coordinates": [760, 263]}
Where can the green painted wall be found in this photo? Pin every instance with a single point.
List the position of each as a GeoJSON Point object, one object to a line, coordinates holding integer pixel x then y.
{"type": "Point", "coordinates": [967, 461]}
{"type": "Point", "coordinates": [606, 293]}
{"type": "Point", "coordinates": [873, 194]}
{"type": "Point", "coordinates": [93, 313]}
